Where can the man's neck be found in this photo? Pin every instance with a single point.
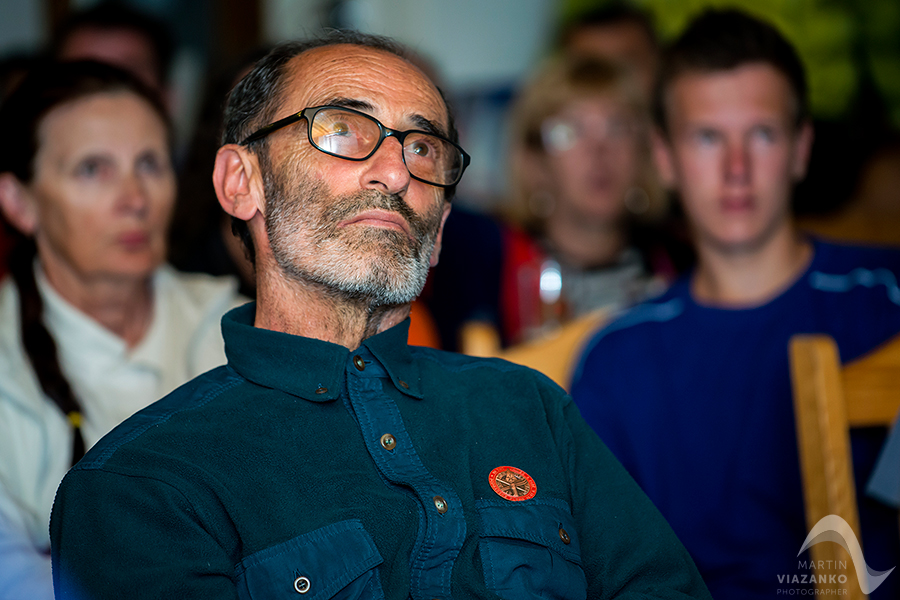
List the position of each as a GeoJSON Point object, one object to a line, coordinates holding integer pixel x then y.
{"type": "Point", "coordinates": [308, 310]}
{"type": "Point", "coordinates": [750, 278]}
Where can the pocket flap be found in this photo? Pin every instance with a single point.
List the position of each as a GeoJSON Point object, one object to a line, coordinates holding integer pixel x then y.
{"type": "Point", "coordinates": [547, 522]}
{"type": "Point", "coordinates": [312, 566]}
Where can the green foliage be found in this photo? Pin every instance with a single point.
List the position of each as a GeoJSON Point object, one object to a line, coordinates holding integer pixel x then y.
{"type": "Point", "coordinates": [843, 43]}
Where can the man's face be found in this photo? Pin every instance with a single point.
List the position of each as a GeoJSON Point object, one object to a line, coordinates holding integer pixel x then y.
{"type": "Point", "coordinates": [364, 230]}
{"type": "Point", "coordinates": [733, 153]}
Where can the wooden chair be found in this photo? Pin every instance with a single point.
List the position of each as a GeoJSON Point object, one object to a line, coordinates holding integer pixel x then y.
{"type": "Point", "coordinates": [554, 354]}
{"type": "Point", "coordinates": [828, 400]}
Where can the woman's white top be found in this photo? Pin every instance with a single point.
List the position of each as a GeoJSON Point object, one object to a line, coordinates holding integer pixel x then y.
{"type": "Point", "coordinates": [110, 381]}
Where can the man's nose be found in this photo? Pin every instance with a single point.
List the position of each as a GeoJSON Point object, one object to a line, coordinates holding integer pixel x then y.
{"type": "Point", "coordinates": [385, 170]}
{"type": "Point", "coordinates": [737, 163]}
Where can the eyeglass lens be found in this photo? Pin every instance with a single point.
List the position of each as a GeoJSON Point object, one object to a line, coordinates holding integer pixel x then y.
{"type": "Point", "coordinates": [353, 135]}
{"type": "Point", "coordinates": [560, 134]}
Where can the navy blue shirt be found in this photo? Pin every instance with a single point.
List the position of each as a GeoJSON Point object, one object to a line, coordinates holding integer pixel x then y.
{"type": "Point", "coordinates": [695, 402]}
{"type": "Point", "coordinates": [302, 468]}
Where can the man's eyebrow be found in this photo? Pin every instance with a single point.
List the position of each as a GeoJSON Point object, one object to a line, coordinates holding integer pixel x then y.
{"type": "Point", "coordinates": [419, 122]}
{"type": "Point", "coordinates": [428, 125]}
{"type": "Point", "coordinates": [350, 103]}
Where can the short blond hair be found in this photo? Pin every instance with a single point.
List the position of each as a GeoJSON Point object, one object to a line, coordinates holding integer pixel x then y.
{"type": "Point", "coordinates": [558, 82]}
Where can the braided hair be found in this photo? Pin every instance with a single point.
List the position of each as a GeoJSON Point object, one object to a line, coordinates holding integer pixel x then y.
{"type": "Point", "coordinates": [44, 88]}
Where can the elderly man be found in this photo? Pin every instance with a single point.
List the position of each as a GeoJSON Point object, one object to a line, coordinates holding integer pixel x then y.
{"type": "Point", "coordinates": [328, 457]}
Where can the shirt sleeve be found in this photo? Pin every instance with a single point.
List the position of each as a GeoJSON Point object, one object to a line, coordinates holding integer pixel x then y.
{"type": "Point", "coordinates": [628, 548]}
{"type": "Point", "coordinates": [158, 539]}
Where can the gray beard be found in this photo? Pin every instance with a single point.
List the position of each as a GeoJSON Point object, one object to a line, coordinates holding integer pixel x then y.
{"type": "Point", "coordinates": [381, 267]}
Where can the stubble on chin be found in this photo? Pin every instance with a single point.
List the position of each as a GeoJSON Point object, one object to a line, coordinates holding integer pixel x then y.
{"type": "Point", "coordinates": [378, 266]}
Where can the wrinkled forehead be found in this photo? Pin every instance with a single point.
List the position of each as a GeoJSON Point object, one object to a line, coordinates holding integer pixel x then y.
{"type": "Point", "coordinates": [399, 94]}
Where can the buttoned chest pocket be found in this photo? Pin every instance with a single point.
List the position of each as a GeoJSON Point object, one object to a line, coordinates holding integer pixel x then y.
{"type": "Point", "coordinates": [530, 549]}
{"type": "Point", "coordinates": [337, 562]}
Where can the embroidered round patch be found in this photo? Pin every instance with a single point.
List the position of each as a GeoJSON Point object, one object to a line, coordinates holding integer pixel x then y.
{"type": "Point", "coordinates": [513, 484]}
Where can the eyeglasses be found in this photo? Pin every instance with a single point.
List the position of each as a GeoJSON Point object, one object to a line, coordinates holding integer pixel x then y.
{"type": "Point", "coordinates": [560, 134]}
{"type": "Point", "coordinates": [353, 135]}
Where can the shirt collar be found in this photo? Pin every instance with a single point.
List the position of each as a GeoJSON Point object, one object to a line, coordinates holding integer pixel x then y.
{"type": "Point", "coordinates": [309, 368]}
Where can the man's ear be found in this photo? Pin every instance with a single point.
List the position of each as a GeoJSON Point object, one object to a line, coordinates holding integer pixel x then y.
{"type": "Point", "coordinates": [435, 253]}
{"type": "Point", "coordinates": [802, 150]}
{"type": "Point", "coordinates": [664, 160]}
{"type": "Point", "coordinates": [237, 181]}
{"type": "Point", "coordinates": [17, 204]}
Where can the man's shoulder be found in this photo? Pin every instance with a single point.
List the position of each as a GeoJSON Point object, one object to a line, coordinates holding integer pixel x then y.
{"type": "Point", "coordinates": [839, 256]}
{"type": "Point", "coordinates": [841, 251]}
{"type": "Point", "coordinates": [658, 314]}
{"type": "Point", "coordinates": [849, 273]}
{"type": "Point", "coordinates": [638, 331]}
{"type": "Point", "coordinates": [463, 372]}
{"type": "Point", "coordinates": [195, 396]}
{"type": "Point", "coordinates": [458, 363]}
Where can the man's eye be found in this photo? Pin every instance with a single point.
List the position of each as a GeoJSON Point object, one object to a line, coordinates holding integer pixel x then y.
{"type": "Point", "coordinates": [340, 128]}
{"type": "Point", "coordinates": [420, 149]}
{"type": "Point", "coordinates": [765, 134]}
{"type": "Point", "coordinates": [706, 137]}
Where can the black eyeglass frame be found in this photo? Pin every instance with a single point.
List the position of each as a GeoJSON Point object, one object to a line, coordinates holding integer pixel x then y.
{"type": "Point", "coordinates": [309, 113]}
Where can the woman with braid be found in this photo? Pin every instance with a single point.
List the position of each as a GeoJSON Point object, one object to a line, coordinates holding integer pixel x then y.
{"type": "Point", "coordinates": [93, 325]}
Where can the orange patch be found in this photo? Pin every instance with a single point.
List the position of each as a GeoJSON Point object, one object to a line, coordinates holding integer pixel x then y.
{"type": "Point", "coordinates": [513, 484]}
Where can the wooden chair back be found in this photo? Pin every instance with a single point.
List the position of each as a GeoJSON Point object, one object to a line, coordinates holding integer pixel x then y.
{"type": "Point", "coordinates": [555, 354]}
{"type": "Point", "coordinates": [829, 400]}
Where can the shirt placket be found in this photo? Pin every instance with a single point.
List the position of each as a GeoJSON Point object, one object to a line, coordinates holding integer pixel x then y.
{"type": "Point", "coordinates": [442, 527]}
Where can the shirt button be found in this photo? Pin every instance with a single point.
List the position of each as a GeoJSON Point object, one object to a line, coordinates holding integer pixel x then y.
{"type": "Point", "coordinates": [301, 585]}
{"type": "Point", "coordinates": [388, 442]}
{"type": "Point", "coordinates": [359, 363]}
{"type": "Point", "coordinates": [441, 505]}
{"type": "Point", "coordinates": [564, 536]}
{"type": "Point", "coordinates": [321, 389]}
{"type": "Point", "coordinates": [404, 385]}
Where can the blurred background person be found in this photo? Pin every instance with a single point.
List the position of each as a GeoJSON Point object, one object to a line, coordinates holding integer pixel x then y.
{"type": "Point", "coordinates": [585, 198]}
{"type": "Point", "coordinates": [618, 32]}
{"type": "Point", "coordinates": [118, 34]}
{"type": "Point", "coordinates": [692, 390]}
{"type": "Point", "coordinates": [93, 325]}
{"type": "Point", "coordinates": [612, 33]}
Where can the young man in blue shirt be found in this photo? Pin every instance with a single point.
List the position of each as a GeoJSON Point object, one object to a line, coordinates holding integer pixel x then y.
{"type": "Point", "coordinates": [691, 391]}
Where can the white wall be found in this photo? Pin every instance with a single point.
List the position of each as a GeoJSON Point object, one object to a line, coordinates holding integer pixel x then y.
{"type": "Point", "coordinates": [473, 42]}
{"type": "Point", "coordinates": [481, 48]}
{"type": "Point", "coordinates": [21, 26]}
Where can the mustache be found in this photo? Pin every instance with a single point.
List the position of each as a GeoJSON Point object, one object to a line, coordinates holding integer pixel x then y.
{"type": "Point", "coordinates": [353, 204]}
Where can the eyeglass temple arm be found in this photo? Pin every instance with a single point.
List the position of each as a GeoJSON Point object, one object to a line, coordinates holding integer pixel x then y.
{"type": "Point", "coordinates": [264, 131]}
